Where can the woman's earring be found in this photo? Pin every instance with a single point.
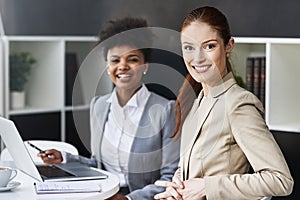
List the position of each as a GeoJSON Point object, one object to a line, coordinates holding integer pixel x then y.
{"type": "Point", "coordinates": [145, 73]}
{"type": "Point", "coordinates": [108, 72]}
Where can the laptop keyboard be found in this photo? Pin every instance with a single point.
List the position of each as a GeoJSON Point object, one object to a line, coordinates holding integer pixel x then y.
{"type": "Point", "coordinates": [51, 171]}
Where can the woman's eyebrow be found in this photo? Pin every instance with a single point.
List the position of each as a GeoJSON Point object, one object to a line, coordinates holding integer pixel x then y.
{"type": "Point", "coordinates": [114, 56]}
{"type": "Point", "coordinates": [210, 40]}
{"type": "Point", "coordinates": [133, 55]}
{"type": "Point", "coordinates": [203, 42]}
{"type": "Point", "coordinates": [185, 42]}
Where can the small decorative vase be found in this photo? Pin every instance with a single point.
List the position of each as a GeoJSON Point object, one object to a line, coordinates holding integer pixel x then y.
{"type": "Point", "coordinates": [17, 99]}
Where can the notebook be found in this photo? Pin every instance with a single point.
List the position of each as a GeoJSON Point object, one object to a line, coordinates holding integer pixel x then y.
{"type": "Point", "coordinates": [66, 187]}
{"type": "Point", "coordinates": [24, 162]}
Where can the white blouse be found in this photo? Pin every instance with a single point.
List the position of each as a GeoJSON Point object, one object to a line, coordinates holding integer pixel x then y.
{"type": "Point", "coordinates": [119, 132]}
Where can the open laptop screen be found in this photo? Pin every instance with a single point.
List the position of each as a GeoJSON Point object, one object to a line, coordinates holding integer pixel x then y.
{"type": "Point", "coordinates": [17, 149]}
{"type": "Point", "coordinates": [24, 162]}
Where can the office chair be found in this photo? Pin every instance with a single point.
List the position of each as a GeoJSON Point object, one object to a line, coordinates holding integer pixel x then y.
{"type": "Point", "coordinates": [42, 144]}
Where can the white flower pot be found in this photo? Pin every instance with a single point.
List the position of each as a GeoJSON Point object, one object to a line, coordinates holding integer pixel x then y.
{"type": "Point", "coordinates": [17, 100]}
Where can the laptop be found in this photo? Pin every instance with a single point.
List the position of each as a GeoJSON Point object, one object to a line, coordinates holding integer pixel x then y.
{"type": "Point", "coordinates": [57, 172]}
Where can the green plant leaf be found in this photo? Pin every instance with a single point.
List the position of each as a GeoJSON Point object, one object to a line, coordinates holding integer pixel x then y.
{"type": "Point", "coordinates": [20, 65]}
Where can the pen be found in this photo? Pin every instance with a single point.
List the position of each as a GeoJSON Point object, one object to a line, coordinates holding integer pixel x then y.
{"type": "Point", "coordinates": [40, 150]}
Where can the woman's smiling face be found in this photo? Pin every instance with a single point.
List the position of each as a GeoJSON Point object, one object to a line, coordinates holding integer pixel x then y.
{"type": "Point", "coordinates": [204, 52]}
{"type": "Point", "coordinates": [126, 66]}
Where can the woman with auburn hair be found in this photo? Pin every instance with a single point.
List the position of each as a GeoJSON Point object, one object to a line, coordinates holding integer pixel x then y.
{"type": "Point", "coordinates": [224, 132]}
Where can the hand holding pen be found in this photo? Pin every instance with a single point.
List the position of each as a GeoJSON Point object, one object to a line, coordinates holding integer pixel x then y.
{"type": "Point", "coordinates": [50, 156]}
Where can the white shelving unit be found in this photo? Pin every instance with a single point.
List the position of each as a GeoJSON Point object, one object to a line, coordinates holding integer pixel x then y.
{"type": "Point", "coordinates": [46, 87]}
{"type": "Point", "coordinates": [282, 77]}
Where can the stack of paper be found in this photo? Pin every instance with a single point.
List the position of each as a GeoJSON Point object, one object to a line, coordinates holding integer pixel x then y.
{"type": "Point", "coordinates": [66, 187]}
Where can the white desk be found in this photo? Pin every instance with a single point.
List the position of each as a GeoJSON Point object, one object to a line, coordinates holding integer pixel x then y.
{"type": "Point", "coordinates": [26, 190]}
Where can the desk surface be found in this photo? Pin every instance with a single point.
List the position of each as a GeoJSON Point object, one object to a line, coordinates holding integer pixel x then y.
{"type": "Point", "coordinates": [26, 190]}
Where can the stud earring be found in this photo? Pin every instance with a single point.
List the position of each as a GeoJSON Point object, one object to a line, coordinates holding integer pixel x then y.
{"type": "Point", "coordinates": [144, 73]}
{"type": "Point", "coordinates": [108, 73]}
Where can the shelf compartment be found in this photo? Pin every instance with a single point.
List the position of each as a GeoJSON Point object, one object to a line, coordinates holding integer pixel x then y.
{"type": "Point", "coordinates": [44, 88]}
{"type": "Point", "coordinates": [41, 126]}
{"type": "Point", "coordinates": [283, 105]}
{"type": "Point", "coordinates": [76, 53]}
{"type": "Point", "coordinates": [240, 54]}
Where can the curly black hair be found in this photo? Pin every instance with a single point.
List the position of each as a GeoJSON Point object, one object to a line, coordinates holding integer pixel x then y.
{"type": "Point", "coordinates": [117, 33]}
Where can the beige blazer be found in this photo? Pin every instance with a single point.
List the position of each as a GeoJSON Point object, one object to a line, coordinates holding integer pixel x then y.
{"type": "Point", "coordinates": [222, 136]}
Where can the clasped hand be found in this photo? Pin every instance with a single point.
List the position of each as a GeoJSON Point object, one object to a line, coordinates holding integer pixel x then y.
{"type": "Point", "coordinates": [192, 189]}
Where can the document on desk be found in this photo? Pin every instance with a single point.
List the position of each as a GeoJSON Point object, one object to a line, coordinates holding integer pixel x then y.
{"type": "Point", "coordinates": [66, 187]}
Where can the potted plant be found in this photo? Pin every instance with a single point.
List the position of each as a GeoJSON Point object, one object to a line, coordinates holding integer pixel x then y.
{"type": "Point", "coordinates": [20, 65]}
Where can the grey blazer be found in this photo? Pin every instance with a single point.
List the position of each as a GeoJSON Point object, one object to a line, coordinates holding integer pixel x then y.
{"type": "Point", "coordinates": [154, 155]}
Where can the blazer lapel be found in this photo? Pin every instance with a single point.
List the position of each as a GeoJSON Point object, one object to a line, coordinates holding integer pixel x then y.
{"type": "Point", "coordinates": [194, 124]}
{"type": "Point", "coordinates": [198, 115]}
{"type": "Point", "coordinates": [102, 110]}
